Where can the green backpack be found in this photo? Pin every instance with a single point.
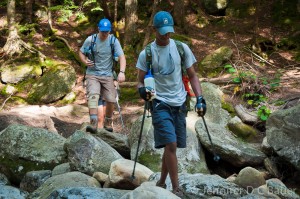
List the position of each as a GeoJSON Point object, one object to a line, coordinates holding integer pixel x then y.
{"type": "Point", "coordinates": [185, 77]}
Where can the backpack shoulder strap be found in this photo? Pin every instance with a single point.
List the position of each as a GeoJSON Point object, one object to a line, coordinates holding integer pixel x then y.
{"type": "Point", "coordinates": [148, 56]}
{"type": "Point", "coordinates": [182, 55]}
{"type": "Point", "coordinates": [112, 44]}
{"type": "Point", "coordinates": [93, 41]}
{"type": "Point", "coordinates": [112, 48]}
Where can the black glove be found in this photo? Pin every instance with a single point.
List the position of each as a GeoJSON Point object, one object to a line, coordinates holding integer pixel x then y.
{"type": "Point", "coordinates": [146, 93]}
{"type": "Point", "coordinates": [200, 106]}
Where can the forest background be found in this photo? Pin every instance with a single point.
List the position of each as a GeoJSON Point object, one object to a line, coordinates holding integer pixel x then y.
{"type": "Point", "coordinates": [264, 37]}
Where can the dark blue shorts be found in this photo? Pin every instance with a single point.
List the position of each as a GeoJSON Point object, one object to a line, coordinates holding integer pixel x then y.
{"type": "Point", "coordinates": [101, 102]}
{"type": "Point", "coordinates": [169, 124]}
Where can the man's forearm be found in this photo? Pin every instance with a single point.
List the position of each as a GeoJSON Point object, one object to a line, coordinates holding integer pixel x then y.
{"type": "Point", "coordinates": [122, 64]}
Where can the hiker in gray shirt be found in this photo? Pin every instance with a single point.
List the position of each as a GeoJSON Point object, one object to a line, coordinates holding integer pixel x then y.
{"type": "Point", "coordinates": [96, 54]}
{"type": "Point", "coordinates": [168, 99]}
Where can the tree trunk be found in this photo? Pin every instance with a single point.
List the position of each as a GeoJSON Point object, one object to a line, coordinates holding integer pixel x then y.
{"type": "Point", "coordinates": [115, 23]}
{"type": "Point", "coordinates": [49, 15]}
{"type": "Point", "coordinates": [29, 11]}
{"type": "Point", "coordinates": [179, 13]}
{"type": "Point", "coordinates": [103, 5]}
{"type": "Point", "coordinates": [13, 42]}
{"type": "Point", "coordinates": [130, 20]}
{"type": "Point", "coordinates": [149, 27]}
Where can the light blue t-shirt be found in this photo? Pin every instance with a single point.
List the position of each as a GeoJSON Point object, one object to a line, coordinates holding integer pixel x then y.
{"type": "Point", "coordinates": [102, 54]}
{"type": "Point", "coordinates": [166, 64]}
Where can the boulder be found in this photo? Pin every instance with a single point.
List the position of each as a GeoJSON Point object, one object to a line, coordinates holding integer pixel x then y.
{"type": "Point", "coordinates": [24, 149]}
{"type": "Point", "coordinates": [66, 180]}
{"type": "Point", "coordinates": [250, 178]}
{"type": "Point", "coordinates": [283, 134]}
{"type": "Point", "coordinates": [53, 85]}
{"type": "Point", "coordinates": [89, 154]}
{"type": "Point", "coordinates": [120, 174]}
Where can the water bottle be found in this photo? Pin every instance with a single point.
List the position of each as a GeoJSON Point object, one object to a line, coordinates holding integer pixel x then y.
{"type": "Point", "coordinates": [116, 58]}
{"type": "Point", "coordinates": [149, 81]}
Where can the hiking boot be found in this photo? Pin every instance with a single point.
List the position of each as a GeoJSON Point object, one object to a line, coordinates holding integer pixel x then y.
{"type": "Point", "coordinates": [92, 128]}
{"type": "Point", "coordinates": [108, 124]}
{"type": "Point", "coordinates": [178, 192]}
{"type": "Point", "coordinates": [158, 184]}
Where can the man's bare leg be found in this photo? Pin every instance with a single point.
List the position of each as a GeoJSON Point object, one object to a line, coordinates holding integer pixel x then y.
{"type": "Point", "coordinates": [108, 123]}
{"type": "Point", "coordinates": [169, 165]}
{"type": "Point", "coordinates": [101, 115]}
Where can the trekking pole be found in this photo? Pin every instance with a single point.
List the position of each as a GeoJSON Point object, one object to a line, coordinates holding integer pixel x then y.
{"type": "Point", "coordinates": [216, 157]}
{"type": "Point", "coordinates": [118, 105]}
{"type": "Point", "coordinates": [139, 141]}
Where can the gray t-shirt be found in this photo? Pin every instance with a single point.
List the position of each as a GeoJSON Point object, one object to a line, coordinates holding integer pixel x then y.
{"type": "Point", "coordinates": [167, 73]}
{"type": "Point", "coordinates": [102, 54]}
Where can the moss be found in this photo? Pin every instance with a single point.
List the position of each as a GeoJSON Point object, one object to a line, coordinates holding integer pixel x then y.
{"type": "Point", "coordinates": [243, 131]}
{"type": "Point", "coordinates": [19, 167]}
{"type": "Point", "coordinates": [25, 86]}
{"type": "Point", "coordinates": [47, 88]}
{"type": "Point", "coordinates": [129, 94]}
{"type": "Point", "coordinates": [68, 99]}
{"type": "Point", "coordinates": [4, 91]}
{"type": "Point", "coordinates": [150, 160]}
{"type": "Point", "coordinates": [228, 107]}
{"type": "Point", "coordinates": [28, 29]}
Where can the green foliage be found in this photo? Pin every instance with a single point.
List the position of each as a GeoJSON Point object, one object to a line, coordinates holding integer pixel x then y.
{"type": "Point", "coordinates": [240, 9]}
{"type": "Point", "coordinates": [129, 94]}
{"type": "Point", "coordinates": [130, 53]}
{"type": "Point", "coordinates": [229, 68]}
{"type": "Point", "coordinates": [80, 16]}
{"type": "Point", "coordinates": [254, 89]}
{"type": "Point", "coordinates": [3, 4]}
{"type": "Point", "coordinates": [263, 113]}
{"type": "Point", "coordinates": [254, 99]}
{"type": "Point", "coordinates": [297, 56]}
{"type": "Point", "coordinates": [89, 3]}
{"type": "Point", "coordinates": [285, 13]}
{"type": "Point", "coordinates": [27, 29]}
{"type": "Point", "coordinates": [65, 10]}
{"type": "Point", "coordinates": [3, 92]}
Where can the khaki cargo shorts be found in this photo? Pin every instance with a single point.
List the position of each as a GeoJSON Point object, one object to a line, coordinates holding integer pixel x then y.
{"type": "Point", "coordinates": [104, 86]}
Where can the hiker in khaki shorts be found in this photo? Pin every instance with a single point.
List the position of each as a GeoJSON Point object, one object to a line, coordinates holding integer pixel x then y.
{"type": "Point", "coordinates": [97, 53]}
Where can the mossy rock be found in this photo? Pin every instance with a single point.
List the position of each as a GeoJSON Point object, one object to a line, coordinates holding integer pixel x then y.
{"type": "Point", "coordinates": [14, 74]}
{"type": "Point", "coordinates": [241, 129]}
{"type": "Point", "coordinates": [212, 64]}
{"type": "Point", "coordinates": [53, 85]}
{"type": "Point", "coordinates": [228, 107]}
